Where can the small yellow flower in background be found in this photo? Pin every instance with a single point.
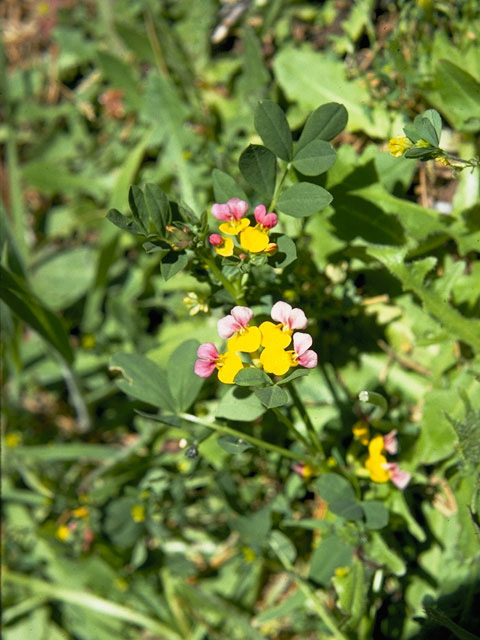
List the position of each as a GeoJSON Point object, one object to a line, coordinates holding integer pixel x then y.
{"type": "Point", "coordinates": [81, 512]}
{"type": "Point", "coordinates": [422, 144]}
{"type": "Point", "coordinates": [121, 584]}
{"type": "Point", "coordinates": [398, 146]}
{"type": "Point", "coordinates": [12, 440]}
{"type": "Point", "coordinates": [249, 554]}
{"type": "Point", "coordinates": [138, 513]}
{"type": "Point", "coordinates": [88, 341]}
{"type": "Point", "coordinates": [304, 469]}
{"type": "Point", "coordinates": [340, 572]}
{"type": "Point", "coordinates": [376, 460]}
{"type": "Point", "coordinates": [331, 462]}
{"type": "Point", "coordinates": [195, 304]}
{"type": "Point", "coordinates": [361, 431]}
{"type": "Point", "coordinates": [443, 160]}
{"type": "Point", "coordinates": [63, 532]}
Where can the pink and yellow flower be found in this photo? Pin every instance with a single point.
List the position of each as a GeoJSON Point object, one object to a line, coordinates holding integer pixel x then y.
{"type": "Point", "coordinates": [223, 246]}
{"type": "Point", "coordinates": [231, 213]}
{"type": "Point", "coordinates": [256, 239]}
{"type": "Point", "coordinates": [235, 329]}
{"type": "Point", "coordinates": [379, 469]}
{"type": "Point", "coordinates": [276, 360]}
{"type": "Point", "coordinates": [228, 364]}
{"type": "Point", "coordinates": [288, 319]}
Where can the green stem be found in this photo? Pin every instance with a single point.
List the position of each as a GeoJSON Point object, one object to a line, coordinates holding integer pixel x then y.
{"type": "Point", "coordinates": [221, 428]}
{"type": "Point", "coordinates": [298, 402]}
{"type": "Point", "coordinates": [229, 286]}
{"type": "Point", "coordinates": [273, 203]}
{"type": "Point", "coordinates": [289, 424]}
{"type": "Point", "coordinates": [328, 620]}
{"type": "Point", "coordinates": [84, 422]}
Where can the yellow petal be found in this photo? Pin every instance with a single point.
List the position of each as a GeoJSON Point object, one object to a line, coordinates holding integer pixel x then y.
{"type": "Point", "coordinates": [248, 341]}
{"type": "Point", "coordinates": [375, 447]}
{"type": "Point", "coordinates": [277, 361]}
{"type": "Point", "coordinates": [254, 240]}
{"type": "Point", "coordinates": [226, 249]}
{"type": "Point", "coordinates": [361, 431]}
{"type": "Point", "coordinates": [233, 227]}
{"type": "Point", "coordinates": [274, 336]}
{"type": "Point", "coordinates": [377, 472]}
{"type": "Point", "coordinates": [230, 365]}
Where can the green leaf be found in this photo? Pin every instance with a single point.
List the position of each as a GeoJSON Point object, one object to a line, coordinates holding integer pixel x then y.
{"type": "Point", "coordinates": [121, 75]}
{"type": "Point", "coordinates": [284, 545]}
{"type": "Point", "coordinates": [240, 404]}
{"type": "Point", "coordinates": [15, 293]}
{"type": "Point", "coordinates": [303, 199]}
{"type": "Point", "coordinates": [158, 207]}
{"type": "Point", "coordinates": [143, 379]}
{"type": "Point", "coordinates": [286, 252]}
{"type": "Point", "coordinates": [352, 592]}
{"type": "Point", "coordinates": [272, 126]}
{"type": "Point", "coordinates": [253, 528]}
{"type": "Point", "coordinates": [331, 554]}
{"type": "Point", "coordinates": [234, 445]}
{"type": "Point", "coordinates": [340, 496]}
{"type": "Point", "coordinates": [272, 397]}
{"type": "Point", "coordinates": [348, 509]}
{"type": "Point", "coordinates": [183, 383]}
{"type": "Point", "coordinates": [259, 167]}
{"type": "Point", "coordinates": [136, 200]}
{"type": "Point", "coordinates": [252, 377]}
{"type": "Point", "coordinates": [297, 373]}
{"type": "Point", "coordinates": [65, 277]}
{"type": "Point", "coordinates": [376, 514]}
{"type": "Point", "coordinates": [418, 154]}
{"type": "Point", "coordinates": [378, 550]}
{"type": "Point", "coordinates": [125, 223]}
{"type": "Point", "coordinates": [426, 130]}
{"type": "Point", "coordinates": [315, 158]}
{"type": "Point", "coordinates": [460, 95]}
{"type": "Point", "coordinates": [225, 187]}
{"type": "Point", "coordinates": [324, 123]}
{"type": "Point", "coordinates": [172, 263]}
{"type": "Point", "coordinates": [435, 119]}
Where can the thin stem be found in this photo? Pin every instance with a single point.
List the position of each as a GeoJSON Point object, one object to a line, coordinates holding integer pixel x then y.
{"type": "Point", "coordinates": [289, 424]}
{"type": "Point", "coordinates": [221, 428]}
{"type": "Point", "coordinates": [76, 396]}
{"type": "Point", "coordinates": [298, 402]}
{"type": "Point", "coordinates": [273, 203]}
{"type": "Point", "coordinates": [229, 286]}
{"type": "Point", "coordinates": [328, 620]}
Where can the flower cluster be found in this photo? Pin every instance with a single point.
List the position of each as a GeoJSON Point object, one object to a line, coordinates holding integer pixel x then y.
{"type": "Point", "coordinates": [234, 225]}
{"type": "Point", "coordinates": [273, 338]}
{"type": "Point", "coordinates": [380, 470]}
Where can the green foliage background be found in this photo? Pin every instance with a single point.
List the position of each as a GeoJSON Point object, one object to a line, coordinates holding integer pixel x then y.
{"type": "Point", "coordinates": [232, 543]}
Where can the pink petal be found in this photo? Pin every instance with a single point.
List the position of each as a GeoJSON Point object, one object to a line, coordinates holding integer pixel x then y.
{"type": "Point", "coordinates": [238, 208]}
{"type": "Point", "coordinates": [309, 359]}
{"type": "Point", "coordinates": [242, 315]}
{"type": "Point", "coordinates": [390, 443]}
{"type": "Point", "coordinates": [208, 351]}
{"type": "Point", "coordinates": [297, 319]}
{"type": "Point", "coordinates": [227, 326]}
{"type": "Point", "coordinates": [203, 368]}
{"type": "Point", "coordinates": [301, 343]}
{"type": "Point", "coordinates": [399, 477]}
{"type": "Point", "coordinates": [280, 312]}
{"type": "Point", "coordinates": [270, 220]}
{"type": "Point", "coordinates": [221, 212]}
{"type": "Point", "coordinates": [215, 239]}
{"type": "Point", "coordinates": [260, 213]}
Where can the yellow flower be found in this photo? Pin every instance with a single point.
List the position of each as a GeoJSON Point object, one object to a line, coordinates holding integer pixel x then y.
{"type": "Point", "coordinates": [138, 513]}
{"type": "Point", "coordinates": [398, 146]}
{"type": "Point", "coordinates": [249, 554]}
{"type": "Point", "coordinates": [63, 532]}
{"type": "Point", "coordinates": [229, 364]}
{"type": "Point", "coordinates": [276, 360]}
{"type": "Point", "coordinates": [277, 335]}
{"type": "Point", "coordinates": [376, 460]}
{"type": "Point", "coordinates": [235, 329]}
{"type": "Point", "coordinates": [81, 512]}
{"type": "Point", "coordinates": [254, 239]}
{"type": "Point", "coordinates": [223, 246]}
{"type": "Point", "coordinates": [361, 431]}
{"type": "Point", "coordinates": [12, 440]}
{"type": "Point", "coordinates": [234, 227]}
{"type": "Point", "coordinates": [443, 160]}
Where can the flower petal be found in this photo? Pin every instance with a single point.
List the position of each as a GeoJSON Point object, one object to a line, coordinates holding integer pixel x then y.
{"type": "Point", "coordinates": [309, 359]}
{"type": "Point", "coordinates": [390, 443]}
{"type": "Point", "coordinates": [227, 326]}
{"type": "Point", "coordinates": [238, 208]}
{"type": "Point", "coordinates": [273, 336]}
{"type": "Point", "coordinates": [247, 342]}
{"type": "Point", "coordinates": [226, 249]}
{"type": "Point", "coordinates": [234, 227]}
{"type": "Point", "coordinates": [281, 312]}
{"type": "Point", "coordinates": [215, 239]}
{"type": "Point", "coordinates": [230, 366]}
{"type": "Point", "coordinates": [260, 212]}
{"type": "Point", "coordinates": [221, 211]}
{"type": "Point", "coordinates": [270, 220]}
{"type": "Point", "coordinates": [204, 368]}
{"type": "Point", "coordinates": [301, 343]}
{"type": "Point", "coordinates": [242, 315]}
{"type": "Point", "coordinates": [254, 240]}
{"type": "Point", "coordinates": [375, 465]}
{"type": "Point", "coordinates": [399, 477]}
{"type": "Point", "coordinates": [375, 447]}
{"type": "Point", "coordinates": [208, 351]}
{"type": "Point", "coordinates": [277, 361]}
{"type": "Point", "coordinates": [297, 319]}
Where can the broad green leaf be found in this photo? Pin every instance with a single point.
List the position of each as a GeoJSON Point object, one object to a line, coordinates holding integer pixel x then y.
{"type": "Point", "coordinates": [136, 200]}
{"type": "Point", "coordinates": [324, 123]}
{"type": "Point", "coordinates": [253, 528]}
{"type": "Point", "coordinates": [303, 199]}
{"type": "Point", "coordinates": [378, 550]}
{"type": "Point", "coordinates": [225, 187]}
{"type": "Point", "coordinates": [376, 514]}
{"type": "Point", "coordinates": [332, 553]}
{"type": "Point", "coordinates": [460, 95]}
{"type": "Point", "coordinates": [314, 158]}
{"type": "Point", "coordinates": [435, 119]}
{"type": "Point", "coordinates": [252, 377]}
{"type": "Point", "coordinates": [333, 487]}
{"type": "Point", "coordinates": [183, 383]}
{"type": "Point", "coordinates": [296, 373]}
{"type": "Point", "coordinates": [234, 445]}
{"type": "Point", "coordinates": [426, 130]}
{"type": "Point", "coordinates": [272, 397]}
{"type": "Point", "coordinates": [16, 294]}
{"type": "Point", "coordinates": [284, 544]}
{"type": "Point", "coordinates": [65, 277]}
{"type": "Point", "coordinates": [419, 153]}
{"type": "Point", "coordinates": [312, 78]}
{"type": "Point", "coordinates": [158, 207]}
{"type": "Point", "coordinates": [125, 223]}
{"type": "Point", "coordinates": [259, 167]}
{"type": "Point", "coordinates": [240, 404]}
{"type": "Point", "coordinates": [287, 606]}
{"type": "Point", "coordinates": [143, 380]}
{"type": "Point", "coordinates": [272, 126]}
{"type": "Point", "coordinates": [352, 592]}
{"type": "Point", "coordinates": [286, 252]}
{"type": "Point", "coordinates": [172, 263]}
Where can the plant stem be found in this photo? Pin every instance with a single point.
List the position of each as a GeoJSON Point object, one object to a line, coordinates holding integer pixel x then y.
{"type": "Point", "coordinates": [289, 424]}
{"type": "Point", "coordinates": [298, 402]}
{"type": "Point", "coordinates": [273, 203]}
{"type": "Point", "coordinates": [221, 428]}
{"type": "Point", "coordinates": [328, 620]}
{"type": "Point", "coordinates": [229, 286]}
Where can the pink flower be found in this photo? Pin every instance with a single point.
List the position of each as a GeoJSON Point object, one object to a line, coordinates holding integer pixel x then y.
{"type": "Point", "coordinates": [290, 318]}
{"type": "Point", "coordinates": [215, 239]}
{"type": "Point", "coordinates": [234, 209]}
{"type": "Point", "coordinates": [208, 357]}
{"type": "Point", "coordinates": [390, 443]}
{"type": "Point", "coordinates": [237, 321]}
{"type": "Point", "coordinates": [303, 354]}
{"type": "Point", "coordinates": [399, 477]}
{"type": "Point", "coordinates": [266, 220]}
